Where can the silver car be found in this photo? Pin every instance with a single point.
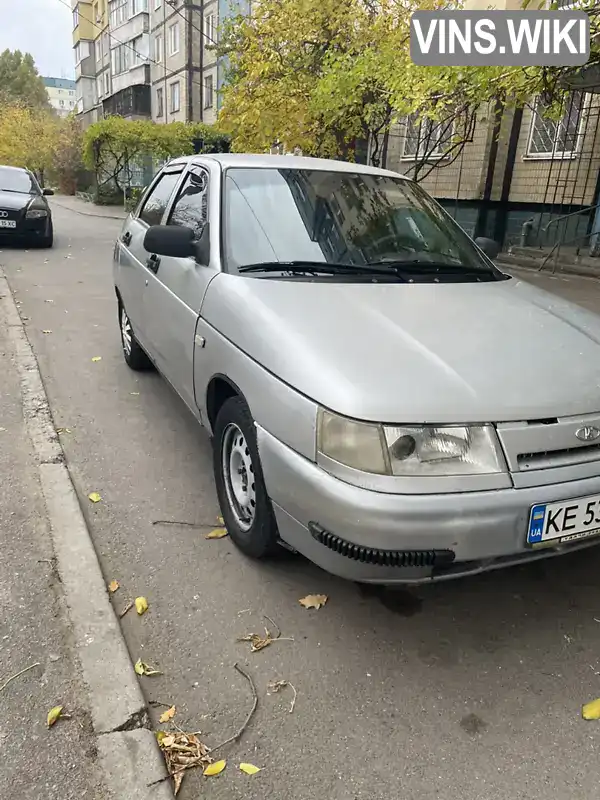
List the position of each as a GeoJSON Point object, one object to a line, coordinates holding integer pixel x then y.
{"type": "Point", "coordinates": [381, 398]}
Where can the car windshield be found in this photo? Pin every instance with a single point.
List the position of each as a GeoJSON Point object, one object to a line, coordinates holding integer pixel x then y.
{"type": "Point", "coordinates": [292, 216]}
{"type": "Point", "coordinates": [17, 180]}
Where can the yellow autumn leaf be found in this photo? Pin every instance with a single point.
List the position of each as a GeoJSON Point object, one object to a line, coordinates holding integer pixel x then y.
{"type": "Point", "coordinates": [94, 497]}
{"type": "Point", "coordinates": [141, 605]}
{"type": "Point", "coordinates": [160, 735]}
{"type": "Point", "coordinates": [113, 586]}
{"type": "Point", "coordinates": [313, 600]}
{"type": "Point", "coordinates": [167, 715]}
{"type": "Point", "coordinates": [145, 669]}
{"type": "Point", "coordinates": [215, 769]}
{"type": "Point", "coordinates": [218, 533]}
{"type": "Point", "coordinates": [47, 331]}
{"type": "Point", "coordinates": [54, 714]}
{"type": "Point", "coordinates": [220, 521]}
{"type": "Point", "coordinates": [97, 358]}
{"type": "Point", "coordinates": [249, 769]}
{"type": "Point", "coordinates": [591, 710]}
{"type": "Point", "coordinates": [139, 666]}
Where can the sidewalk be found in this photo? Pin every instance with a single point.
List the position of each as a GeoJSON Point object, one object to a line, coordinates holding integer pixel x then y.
{"type": "Point", "coordinates": [60, 642]}
{"type": "Point", "coordinates": [57, 763]}
{"type": "Point", "coordinates": [80, 206]}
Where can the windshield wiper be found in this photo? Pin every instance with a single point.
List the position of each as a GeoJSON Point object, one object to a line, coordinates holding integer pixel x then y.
{"type": "Point", "coordinates": [323, 267]}
{"type": "Point", "coordinates": [415, 266]}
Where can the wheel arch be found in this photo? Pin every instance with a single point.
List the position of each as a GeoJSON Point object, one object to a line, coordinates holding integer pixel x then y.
{"type": "Point", "coordinates": [220, 388]}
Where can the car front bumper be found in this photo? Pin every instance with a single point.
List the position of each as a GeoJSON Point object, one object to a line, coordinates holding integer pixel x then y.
{"type": "Point", "coordinates": [321, 516]}
{"type": "Point", "coordinates": [26, 229]}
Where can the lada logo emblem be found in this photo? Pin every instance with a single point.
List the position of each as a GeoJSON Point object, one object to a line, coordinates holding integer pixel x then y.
{"type": "Point", "coordinates": [588, 433]}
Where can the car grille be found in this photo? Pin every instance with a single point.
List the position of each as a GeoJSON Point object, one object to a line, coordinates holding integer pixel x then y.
{"type": "Point", "coordinates": [549, 443]}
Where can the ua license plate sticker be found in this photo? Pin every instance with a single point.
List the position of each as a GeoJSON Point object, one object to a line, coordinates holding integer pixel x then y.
{"type": "Point", "coordinates": [567, 521]}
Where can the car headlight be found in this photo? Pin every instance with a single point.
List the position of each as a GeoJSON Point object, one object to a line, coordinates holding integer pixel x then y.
{"type": "Point", "coordinates": [422, 451]}
{"type": "Point", "coordinates": [36, 213]}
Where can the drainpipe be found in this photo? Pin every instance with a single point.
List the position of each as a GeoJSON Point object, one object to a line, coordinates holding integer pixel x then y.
{"type": "Point", "coordinates": [501, 217]}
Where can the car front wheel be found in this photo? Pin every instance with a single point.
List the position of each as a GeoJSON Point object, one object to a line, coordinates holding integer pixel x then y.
{"type": "Point", "coordinates": [135, 357]}
{"type": "Point", "coordinates": [245, 505]}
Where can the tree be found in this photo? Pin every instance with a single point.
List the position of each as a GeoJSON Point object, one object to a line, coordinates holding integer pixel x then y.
{"type": "Point", "coordinates": [27, 137]}
{"type": "Point", "coordinates": [67, 161]}
{"type": "Point", "coordinates": [20, 81]}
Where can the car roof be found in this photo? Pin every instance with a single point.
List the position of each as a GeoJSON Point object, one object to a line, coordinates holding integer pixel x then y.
{"type": "Point", "coordinates": [268, 161]}
{"type": "Point", "coordinates": [15, 169]}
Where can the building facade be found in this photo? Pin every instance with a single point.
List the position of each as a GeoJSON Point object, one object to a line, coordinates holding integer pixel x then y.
{"type": "Point", "coordinates": [61, 95]}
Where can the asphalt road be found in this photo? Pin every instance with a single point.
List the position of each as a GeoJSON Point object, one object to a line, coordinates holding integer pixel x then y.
{"type": "Point", "coordinates": [470, 688]}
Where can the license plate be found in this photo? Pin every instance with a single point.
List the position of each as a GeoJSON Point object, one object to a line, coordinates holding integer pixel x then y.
{"type": "Point", "coordinates": [567, 521]}
{"type": "Point", "coordinates": [7, 223]}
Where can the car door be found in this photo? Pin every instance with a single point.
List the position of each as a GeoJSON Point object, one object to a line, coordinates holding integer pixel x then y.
{"type": "Point", "coordinates": [133, 258]}
{"type": "Point", "coordinates": [175, 291]}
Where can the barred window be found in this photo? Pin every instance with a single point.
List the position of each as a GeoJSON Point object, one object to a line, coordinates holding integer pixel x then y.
{"type": "Point", "coordinates": [426, 137]}
{"type": "Point", "coordinates": [551, 137]}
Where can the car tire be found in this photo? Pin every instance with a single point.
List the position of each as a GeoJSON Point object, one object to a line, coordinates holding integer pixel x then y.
{"type": "Point", "coordinates": [245, 505]}
{"type": "Point", "coordinates": [47, 240]}
{"type": "Point", "coordinates": [135, 356]}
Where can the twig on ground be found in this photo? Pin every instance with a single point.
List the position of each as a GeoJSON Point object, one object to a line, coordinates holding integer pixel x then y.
{"type": "Point", "coordinates": [293, 703]}
{"type": "Point", "coordinates": [180, 522]}
{"type": "Point", "coordinates": [127, 608]}
{"type": "Point", "coordinates": [18, 674]}
{"type": "Point", "coordinates": [238, 735]}
{"type": "Point", "coordinates": [275, 625]}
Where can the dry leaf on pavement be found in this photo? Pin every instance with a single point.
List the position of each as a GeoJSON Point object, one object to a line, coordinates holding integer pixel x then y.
{"type": "Point", "coordinates": [63, 430]}
{"type": "Point", "coordinates": [54, 714]}
{"type": "Point", "coordinates": [249, 769]}
{"type": "Point", "coordinates": [141, 605]}
{"type": "Point", "coordinates": [47, 331]}
{"type": "Point", "coordinates": [135, 394]}
{"type": "Point", "coordinates": [313, 600]}
{"type": "Point", "coordinates": [182, 751]}
{"type": "Point", "coordinates": [218, 533]}
{"type": "Point", "coordinates": [113, 586]}
{"type": "Point", "coordinates": [97, 358]}
{"type": "Point", "coordinates": [167, 715]}
{"type": "Point", "coordinates": [216, 768]}
{"type": "Point", "coordinates": [591, 710]}
{"type": "Point", "coordinates": [145, 669]}
{"type": "Point", "coordinates": [220, 521]}
{"type": "Point", "coordinates": [94, 497]}
{"type": "Point", "coordinates": [259, 642]}
{"type": "Point", "coordinates": [276, 686]}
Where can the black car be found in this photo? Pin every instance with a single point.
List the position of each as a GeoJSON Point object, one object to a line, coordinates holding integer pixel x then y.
{"type": "Point", "coordinates": [24, 211]}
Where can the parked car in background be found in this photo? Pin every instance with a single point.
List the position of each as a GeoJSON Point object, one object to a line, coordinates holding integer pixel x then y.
{"type": "Point", "coordinates": [25, 215]}
{"type": "Point", "coordinates": [381, 397]}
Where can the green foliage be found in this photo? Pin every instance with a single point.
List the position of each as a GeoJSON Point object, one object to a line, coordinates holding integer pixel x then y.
{"type": "Point", "coordinates": [20, 81]}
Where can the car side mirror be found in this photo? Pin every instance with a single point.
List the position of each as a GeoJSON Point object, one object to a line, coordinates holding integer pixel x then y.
{"type": "Point", "coordinates": [170, 240]}
{"type": "Point", "coordinates": [47, 192]}
{"type": "Point", "coordinates": [489, 246]}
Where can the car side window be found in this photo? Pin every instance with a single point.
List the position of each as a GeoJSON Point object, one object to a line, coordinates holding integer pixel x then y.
{"type": "Point", "coordinates": [158, 199]}
{"type": "Point", "coordinates": [190, 209]}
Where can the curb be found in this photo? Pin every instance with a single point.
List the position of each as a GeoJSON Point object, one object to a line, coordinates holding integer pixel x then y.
{"type": "Point", "coordinates": [87, 213]}
{"type": "Point", "coordinates": [128, 754]}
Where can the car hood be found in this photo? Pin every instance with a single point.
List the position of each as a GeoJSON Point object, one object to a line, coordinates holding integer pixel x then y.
{"type": "Point", "coordinates": [14, 201]}
{"type": "Point", "coordinates": [447, 352]}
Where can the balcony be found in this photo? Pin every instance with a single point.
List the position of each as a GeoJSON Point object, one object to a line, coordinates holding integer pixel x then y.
{"type": "Point", "coordinates": [133, 27]}
{"type": "Point", "coordinates": [134, 76]}
{"type": "Point", "coordinates": [134, 101]}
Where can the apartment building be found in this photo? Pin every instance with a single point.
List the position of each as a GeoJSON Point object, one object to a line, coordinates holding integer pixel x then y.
{"type": "Point", "coordinates": [184, 64]}
{"type": "Point", "coordinates": [61, 95]}
{"type": "Point", "coordinates": [85, 31]}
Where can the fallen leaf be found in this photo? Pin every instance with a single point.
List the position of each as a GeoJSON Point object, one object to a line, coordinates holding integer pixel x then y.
{"type": "Point", "coordinates": [215, 769]}
{"type": "Point", "coordinates": [54, 714]}
{"type": "Point", "coordinates": [63, 430]}
{"type": "Point", "coordinates": [145, 669]}
{"type": "Point", "coordinates": [97, 358]}
{"type": "Point", "coordinates": [47, 331]}
{"type": "Point", "coordinates": [218, 533]}
{"type": "Point", "coordinates": [134, 393]}
{"type": "Point", "coordinates": [220, 520]}
{"type": "Point", "coordinates": [2, 430]}
{"type": "Point", "coordinates": [160, 736]}
{"type": "Point", "coordinates": [94, 497]}
{"type": "Point", "coordinates": [48, 301]}
{"type": "Point", "coordinates": [249, 769]}
{"type": "Point", "coordinates": [177, 781]}
{"type": "Point", "coordinates": [141, 605]}
{"type": "Point", "coordinates": [591, 710]}
{"type": "Point", "coordinates": [113, 586]}
{"type": "Point", "coordinates": [182, 751]}
{"type": "Point", "coordinates": [257, 642]}
{"type": "Point", "coordinates": [167, 715]}
{"type": "Point", "coordinates": [313, 600]}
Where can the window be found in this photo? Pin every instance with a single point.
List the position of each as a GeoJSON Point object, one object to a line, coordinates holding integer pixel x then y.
{"type": "Point", "coordinates": [175, 98]}
{"type": "Point", "coordinates": [209, 29]}
{"type": "Point", "coordinates": [158, 48]}
{"type": "Point", "coordinates": [105, 44]}
{"type": "Point", "coordinates": [426, 137]}
{"type": "Point", "coordinates": [157, 4]}
{"type": "Point", "coordinates": [191, 207]}
{"type": "Point", "coordinates": [160, 103]}
{"type": "Point", "coordinates": [76, 16]}
{"type": "Point", "coordinates": [61, 103]}
{"type": "Point", "coordinates": [106, 81]}
{"type": "Point", "coordinates": [138, 46]}
{"type": "Point", "coordinates": [208, 91]}
{"type": "Point", "coordinates": [120, 59]}
{"type": "Point", "coordinates": [82, 50]}
{"type": "Point", "coordinates": [552, 138]}
{"type": "Point", "coordinates": [118, 12]}
{"type": "Point", "coordinates": [174, 39]}
{"type": "Point", "coordinates": [158, 199]}
{"type": "Point", "coordinates": [137, 6]}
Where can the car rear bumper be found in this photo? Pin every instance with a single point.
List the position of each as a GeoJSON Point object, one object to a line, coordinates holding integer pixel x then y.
{"type": "Point", "coordinates": [354, 532]}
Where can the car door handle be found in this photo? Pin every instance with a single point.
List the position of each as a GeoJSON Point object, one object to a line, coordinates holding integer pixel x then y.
{"type": "Point", "coordinates": [126, 238]}
{"type": "Point", "coordinates": [153, 263]}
